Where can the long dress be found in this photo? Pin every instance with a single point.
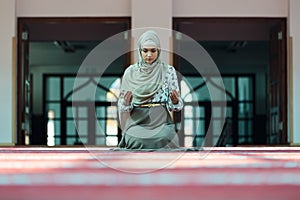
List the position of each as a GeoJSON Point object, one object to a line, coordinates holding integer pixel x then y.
{"type": "Point", "coordinates": [152, 127]}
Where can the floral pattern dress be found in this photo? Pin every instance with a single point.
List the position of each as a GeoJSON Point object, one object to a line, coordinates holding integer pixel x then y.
{"type": "Point", "coordinates": [162, 96]}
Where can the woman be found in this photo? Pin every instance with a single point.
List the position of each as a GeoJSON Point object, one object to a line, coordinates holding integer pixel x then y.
{"type": "Point", "coordinates": [149, 91]}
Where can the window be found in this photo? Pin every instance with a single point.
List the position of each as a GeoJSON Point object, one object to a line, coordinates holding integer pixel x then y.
{"type": "Point", "coordinates": [198, 110]}
{"type": "Point", "coordinates": [86, 119]}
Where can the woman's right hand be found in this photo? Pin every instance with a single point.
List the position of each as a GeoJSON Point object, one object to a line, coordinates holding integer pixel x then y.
{"type": "Point", "coordinates": [127, 98]}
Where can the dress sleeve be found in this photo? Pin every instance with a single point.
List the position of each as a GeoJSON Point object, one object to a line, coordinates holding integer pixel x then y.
{"type": "Point", "coordinates": [121, 106]}
{"type": "Point", "coordinates": [173, 85]}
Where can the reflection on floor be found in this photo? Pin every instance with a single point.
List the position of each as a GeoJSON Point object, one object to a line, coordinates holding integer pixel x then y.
{"type": "Point", "coordinates": [100, 173]}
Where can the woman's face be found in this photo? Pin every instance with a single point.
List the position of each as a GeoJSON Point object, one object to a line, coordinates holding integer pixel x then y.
{"type": "Point", "coordinates": [149, 54]}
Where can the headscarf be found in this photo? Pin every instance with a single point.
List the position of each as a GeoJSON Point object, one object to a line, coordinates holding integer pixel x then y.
{"type": "Point", "coordinates": [144, 79]}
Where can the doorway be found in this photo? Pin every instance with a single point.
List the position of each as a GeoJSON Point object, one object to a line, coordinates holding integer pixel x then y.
{"type": "Point", "coordinates": [51, 49]}
{"type": "Point", "coordinates": [250, 54]}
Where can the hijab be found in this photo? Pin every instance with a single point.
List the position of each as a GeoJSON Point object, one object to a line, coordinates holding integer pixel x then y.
{"type": "Point", "coordinates": [144, 79]}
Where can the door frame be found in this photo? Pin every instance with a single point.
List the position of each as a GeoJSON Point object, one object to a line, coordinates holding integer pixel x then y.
{"type": "Point", "coordinates": [209, 29]}
{"type": "Point", "coordinates": [26, 22]}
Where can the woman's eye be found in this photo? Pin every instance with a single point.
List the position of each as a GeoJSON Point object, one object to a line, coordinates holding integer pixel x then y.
{"type": "Point", "coordinates": [152, 50]}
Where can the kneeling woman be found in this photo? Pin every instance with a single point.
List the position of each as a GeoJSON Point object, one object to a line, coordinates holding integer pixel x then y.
{"type": "Point", "coordinates": [149, 92]}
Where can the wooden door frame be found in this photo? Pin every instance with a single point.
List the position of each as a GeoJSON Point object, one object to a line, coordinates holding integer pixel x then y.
{"type": "Point", "coordinates": [282, 81]}
{"type": "Point", "coordinates": [226, 34]}
{"type": "Point", "coordinates": [20, 83]}
{"type": "Point", "coordinates": [25, 21]}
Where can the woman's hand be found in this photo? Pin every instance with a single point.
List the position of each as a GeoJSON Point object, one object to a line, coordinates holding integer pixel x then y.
{"type": "Point", "coordinates": [174, 96]}
{"type": "Point", "coordinates": [127, 98]}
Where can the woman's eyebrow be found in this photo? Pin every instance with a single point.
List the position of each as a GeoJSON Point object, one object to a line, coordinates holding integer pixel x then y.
{"type": "Point", "coordinates": [150, 49]}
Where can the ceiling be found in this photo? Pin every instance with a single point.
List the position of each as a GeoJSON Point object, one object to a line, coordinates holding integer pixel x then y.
{"type": "Point", "coordinates": [68, 43]}
{"type": "Point", "coordinates": [50, 53]}
{"type": "Point", "coordinates": [74, 53]}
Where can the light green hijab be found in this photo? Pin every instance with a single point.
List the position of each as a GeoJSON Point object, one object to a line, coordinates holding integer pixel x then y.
{"type": "Point", "coordinates": [143, 79]}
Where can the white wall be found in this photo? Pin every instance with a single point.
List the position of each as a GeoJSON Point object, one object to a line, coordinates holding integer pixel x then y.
{"type": "Point", "coordinates": [74, 8]}
{"type": "Point", "coordinates": [7, 31]}
{"type": "Point", "coordinates": [295, 34]}
{"type": "Point", "coordinates": [230, 8]}
{"type": "Point", "coordinates": [156, 14]}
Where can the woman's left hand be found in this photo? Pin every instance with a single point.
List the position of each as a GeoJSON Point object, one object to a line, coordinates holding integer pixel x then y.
{"type": "Point", "coordinates": [174, 96]}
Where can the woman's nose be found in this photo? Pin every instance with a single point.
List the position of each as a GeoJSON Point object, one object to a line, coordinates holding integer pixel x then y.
{"type": "Point", "coordinates": [149, 54]}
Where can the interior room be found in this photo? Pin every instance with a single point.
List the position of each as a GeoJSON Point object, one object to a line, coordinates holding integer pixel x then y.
{"type": "Point", "coordinates": [235, 134]}
{"type": "Point", "coordinates": [242, 55]}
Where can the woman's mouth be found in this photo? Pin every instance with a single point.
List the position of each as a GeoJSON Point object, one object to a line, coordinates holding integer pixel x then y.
{"type": "Point", "coordinates": [148, 60]}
